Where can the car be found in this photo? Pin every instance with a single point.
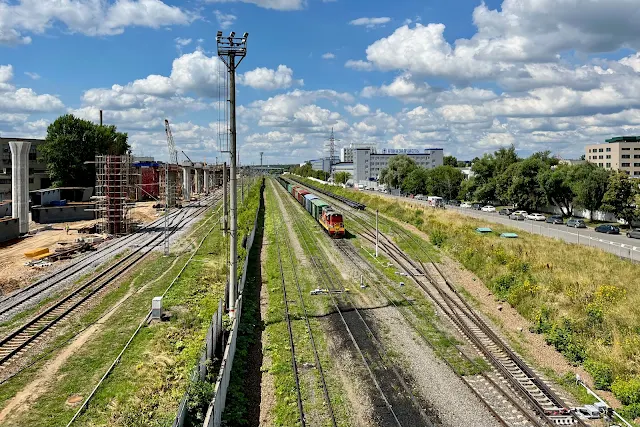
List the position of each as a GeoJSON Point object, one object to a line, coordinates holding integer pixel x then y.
{"type": "Point", "coordinates": [476, 206]}
{"type": "Point", "coordinates": [634, 233]}
{"type": "Point", "coordinates": [488, 208]}
{"type": "Point", "coordinates": [465, 205]}
{"type": "Point", "coordinates": [608, 229]}
{"type": "Point", "coordinates": [518, 216]}
{"type": "Point", "coordinates": [419, 197]}
{"type": "Point", "coordinates": [536, 217]}
{"type": "Point", "coordinates": [523, 213]}
{"type": "Point", "coordinates": [555, 219]}
{"type": "Point", "coordinates": [453, 202]}
{"type": "Point", "coordinates": [576, 223]}
{"type": "Point", "coordinates": [505, 211]}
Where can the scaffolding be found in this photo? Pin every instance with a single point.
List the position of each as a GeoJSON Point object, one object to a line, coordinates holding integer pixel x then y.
{"type": "Point", "coordinates": [113, 189]}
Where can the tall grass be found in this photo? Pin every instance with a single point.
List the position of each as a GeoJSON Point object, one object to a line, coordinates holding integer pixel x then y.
{"type": "Point", "coordinates": [585, 301]}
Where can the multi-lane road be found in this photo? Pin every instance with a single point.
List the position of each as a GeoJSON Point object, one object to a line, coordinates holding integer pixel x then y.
{"type": "Point", "coordinates": [619, 245]}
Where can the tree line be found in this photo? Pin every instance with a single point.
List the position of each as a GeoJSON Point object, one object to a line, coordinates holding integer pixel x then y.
{"type": "Point", "coordinates": [71, 142]}
{"type": "Point", "coordinates": [504, 178]}
{"type": "Point", "coordinates": [307, 171]}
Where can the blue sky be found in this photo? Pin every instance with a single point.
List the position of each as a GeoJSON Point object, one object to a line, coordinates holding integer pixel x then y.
{"type": "Point", "coordinates": [467, 76]}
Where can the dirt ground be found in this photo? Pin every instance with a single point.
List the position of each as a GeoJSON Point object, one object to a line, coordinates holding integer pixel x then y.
{"type": "Point", "coordinates": [13, 272]}
{"type": "Point", "coordinates": [143, 212]}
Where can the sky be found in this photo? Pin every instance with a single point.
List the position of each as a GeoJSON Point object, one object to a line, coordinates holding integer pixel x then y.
{"type": "Point", "coordinates": [466, 76]}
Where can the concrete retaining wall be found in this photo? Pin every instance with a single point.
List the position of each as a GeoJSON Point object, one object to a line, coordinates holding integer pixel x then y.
{"type": "Point", "coordinates": [53, 214]}
{"type": "Point", "coordinates": [9, 229]}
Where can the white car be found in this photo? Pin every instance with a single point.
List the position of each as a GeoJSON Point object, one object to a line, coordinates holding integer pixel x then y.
{"type": "Point", "coordinates": [536, 217]}
{"type": "Point", "coordinates": [465, 205]}
{"type": "Point", "coordinates": [523, 213]}
{"type": "Point", "coordinates": [488, 208]}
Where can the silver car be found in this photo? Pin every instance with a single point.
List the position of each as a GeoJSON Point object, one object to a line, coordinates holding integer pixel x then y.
{"type": "Point", "coordinates": [634, 233]}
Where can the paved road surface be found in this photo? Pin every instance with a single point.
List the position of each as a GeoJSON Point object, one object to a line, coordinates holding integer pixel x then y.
{"type": "Point", "coordinates": [619, 245]}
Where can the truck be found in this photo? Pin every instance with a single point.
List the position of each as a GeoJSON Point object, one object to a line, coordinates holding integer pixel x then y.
{"type": "Point", "coordinates": [435, 201]}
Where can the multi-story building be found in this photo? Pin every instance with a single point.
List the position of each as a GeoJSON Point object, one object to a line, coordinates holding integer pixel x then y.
{"type": "Point", "coordinates": [323, 164]}
{"type": "Point", "coordinates": [346, 153]}
{"type": "Point", "coordinates": [38, 177]}
{"type": "Point", "coordinates": [368, 164]}
{"type": "Point", "coordinates": [621, 153]}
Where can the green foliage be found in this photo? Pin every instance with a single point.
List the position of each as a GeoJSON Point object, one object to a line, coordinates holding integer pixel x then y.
{"type": "Point", "coordinates": [397, 170]}
{"type": "Point", "coordinates": [342, 177]}
{"type": "Point", "coordinates": [631, 412]}
{"type": "Point", "coordinates": [450, 161]}
{"type": "Point", "coordinates": [557, 188]}
{"type": "Point", "coordinates": [437, 237]}
{"type": "Point", "coordinates": [589, 184]}
{"type": "Point", "coordinates": [563, 337]}
{"type": "Point", "coordinates": [601, 372]}
{"type": "Point", "coordinates": [307, 170]}
{"type": "Point", "coordinates": [620, 196]}
{"type": "Point", "coordinates": [523, 190]}
{"type": "Point", "coordinates": [627, 390]}
{"type": "Point", "coordinates": [444, 181]}
{"type": "Point", "coordinates": [501, 285]}
{"type": "Point", "coordinates": [415, 182]}
{"type": "Point", "coordinates": [71, 142]}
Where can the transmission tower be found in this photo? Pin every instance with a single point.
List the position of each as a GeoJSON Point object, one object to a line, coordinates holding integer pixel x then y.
{"type": "Point", "coordinates": [331, 145]}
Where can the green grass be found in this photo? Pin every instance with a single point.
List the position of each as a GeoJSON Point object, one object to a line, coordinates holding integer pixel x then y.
{"type": "Point", "coordinates": [148, 383]}
{"type": "Point", "coordinates": [277, 346]}
{"type": "Point", "coordinates": [586, 302]}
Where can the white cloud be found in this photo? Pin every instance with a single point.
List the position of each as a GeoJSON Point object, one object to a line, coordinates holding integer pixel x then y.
{"type": "Point", "coordinates": [328, 55]}
{"type": "Point", "coordinates": [370, 22]}
{"type": "Point", "coordinates": [89, 17]}
{"type": "Point", "coordinates": [23, 100]}
{"type": "Point", "coordinates": [267, 79]}
{"type": "Point", "coordinates": [34, 76]}
{"type": "Point", "coordinates": [225, 20]}
{"type": "Point", "coordinates": [358, 110]}
{"type": "Point", "coordinates": [270, 4]}
{"type": "Point", "coordinates": [182, 42]}
{"type": "Point", "coordinates": [359, 65]}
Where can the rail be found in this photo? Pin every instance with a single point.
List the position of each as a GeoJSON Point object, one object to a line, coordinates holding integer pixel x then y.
{"type": "Point", "coordinates": [351, 203]}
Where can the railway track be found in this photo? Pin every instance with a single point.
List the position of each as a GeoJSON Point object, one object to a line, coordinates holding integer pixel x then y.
{"type": "Point", "coordinates": [305, 314]}
{"type": "Point", "coordinates": [502, 405]}
{"type": "Point", "coordinates": [13, 303]}
{"type": "Point", "coordinates": [508, 366]}
{"type": "Point", "coordinates": [395, 403]}
{"type": "Point", "coordinates": [21, 339]}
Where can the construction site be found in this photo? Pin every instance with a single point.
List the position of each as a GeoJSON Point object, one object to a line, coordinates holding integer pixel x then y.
{"type": "Point", "coordinates": [43, 227]}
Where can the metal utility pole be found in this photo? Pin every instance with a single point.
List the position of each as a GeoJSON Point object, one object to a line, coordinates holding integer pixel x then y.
{"type": "Point", "coordinates": [173, 157]}
{"type": "Point", "coordinates": [230, 49]}
{"type": "Point", "coordinates": [225, 207]}
{"type": "Point", "coordinates": [261, 154]}
{"type": "Point", "coordinates": [242, 185]}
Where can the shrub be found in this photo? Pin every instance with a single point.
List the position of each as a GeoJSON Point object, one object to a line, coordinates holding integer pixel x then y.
{"type": "Point", "coordinates": [542, 322]}
{"type": "Point", "coordinates": [627, 391]}
{"type": "Point", "coordinates": [501, 285]}
{"type": "Point", "coordinates": [601, 372]}
{"type": "Point", "coordinates": [437, 237]}
{"type": "Point", "coordinates": [631, 412]}
{"type": "Point", "coordinates": [564, 339]}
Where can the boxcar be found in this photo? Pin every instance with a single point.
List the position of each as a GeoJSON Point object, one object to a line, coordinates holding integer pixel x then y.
{"type": "Point", "coordinates": [316, 208]}
{"type": "Point", "coordinates": [307, 201]}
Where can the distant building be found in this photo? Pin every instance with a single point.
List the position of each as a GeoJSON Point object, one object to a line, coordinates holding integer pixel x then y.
{"type": "Point", "coordinates": [571, 162]}
{"type": "Point", "coordinates": [621, 153]}
{"type": "Point", "coordinates": [38, 176]}
{"type": "Point", "coordinates": [346, 153]}
{"type": "Point", "coordinates": [368, 164]}
{"type": "Point", "coordinates": [323, 164]}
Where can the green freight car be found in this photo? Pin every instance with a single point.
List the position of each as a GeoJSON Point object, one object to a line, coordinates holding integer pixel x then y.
{"type": "Point", "coordinates": [289, 188]}
{"type": "Point", "coordinates": [316, 208]}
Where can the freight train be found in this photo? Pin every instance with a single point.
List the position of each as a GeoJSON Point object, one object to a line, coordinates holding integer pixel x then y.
{"type": "Point", "coordinates": [330, 219]}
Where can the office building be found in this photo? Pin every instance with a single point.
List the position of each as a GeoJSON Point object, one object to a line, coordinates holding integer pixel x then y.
{"type": "Point", "coordinates": [323, 164]}
{"type": "Point", "coordinates": [621, 153]}
{"type": "Point", "coordinates": [346, 153]}
{"type": "Point", "coordinates": [368, 164]}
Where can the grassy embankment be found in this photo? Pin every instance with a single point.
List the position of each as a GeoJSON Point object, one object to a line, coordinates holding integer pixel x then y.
{"type": "Point", "coordinates": [586, 302]}
{"type": "Point", "coordinates": [148, 383]}
{"type": "Point", "coordinates": [276, 346]}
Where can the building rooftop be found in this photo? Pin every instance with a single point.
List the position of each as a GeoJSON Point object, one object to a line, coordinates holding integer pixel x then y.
{"type": "Point", "coordinates": [623, 139]}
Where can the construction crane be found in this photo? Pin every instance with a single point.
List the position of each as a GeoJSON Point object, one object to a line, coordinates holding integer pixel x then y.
{"type": "Point", "coordinates": [185, 154]}
{"type": "Point", "coordinates": [173, 153]}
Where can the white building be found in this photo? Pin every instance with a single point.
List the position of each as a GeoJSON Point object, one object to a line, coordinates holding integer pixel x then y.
{"type": "Point", "coordinates": [346, 153]}
{"type": "Point", "coordinates": [323, 164]}
{"type": "Point", "coordinates": [367, 164]}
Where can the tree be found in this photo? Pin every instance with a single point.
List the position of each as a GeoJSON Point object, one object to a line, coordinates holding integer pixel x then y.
{"type": "Point", "coordinates": [620, 196]}
{"type": "Point", "coordinates": [416, 181]}
{"type": "Point", "coordinates": [589, 184]}
{"type": "Point", "coordinates": [524, 190]}
{"type": "Point", "coordinates": [342, 177]}
{"type": "Point", "coordinates": [444, 181]}
{"type": "Point", "coordinates": [450, 161]}
{"type": "Point", "coordinates": [557, 188]}
{"type": "Point", "coordinates": [397, 170]}
{"type": "Point", "coordinates": [71, 142]}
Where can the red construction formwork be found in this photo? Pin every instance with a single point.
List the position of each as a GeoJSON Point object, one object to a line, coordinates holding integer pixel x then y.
{"type": "Point", "coordinates": [150, 182]}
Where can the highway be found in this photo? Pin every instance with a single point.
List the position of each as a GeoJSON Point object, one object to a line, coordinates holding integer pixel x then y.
{"type": "Point", "coordinates": [619, 245]}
